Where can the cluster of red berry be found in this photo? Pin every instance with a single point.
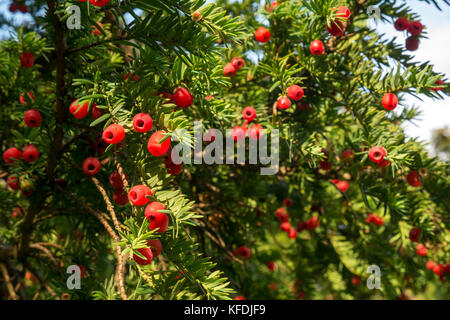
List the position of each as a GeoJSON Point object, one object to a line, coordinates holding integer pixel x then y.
{"type": "Point", "coordinates": [232, 67]}
{"type": "Point", "coordinates": [18, 5]}
{"type": "Point", "coordinates": [413, 27]}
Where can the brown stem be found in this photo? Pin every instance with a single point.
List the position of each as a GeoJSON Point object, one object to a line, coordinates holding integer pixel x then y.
{"type": "Point", "coordinates": [9, 285]}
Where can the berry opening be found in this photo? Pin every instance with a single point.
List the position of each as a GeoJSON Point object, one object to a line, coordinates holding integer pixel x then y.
{"type": "Point", "coordinates": [140, 123]}
{"type": "Point", "coordinates": [91, 167]}
{"type": "Point", "coordinates": [109, 135]}
{"type": "Point", "coordinates": [133, 195]}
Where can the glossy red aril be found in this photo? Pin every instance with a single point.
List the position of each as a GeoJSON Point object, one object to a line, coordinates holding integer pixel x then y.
{"type": "Point", "coordinates": [255, 131]}
{"type": "Point", "coordinates": [249, 113]}
{"type": "Point", "coordinates": [412, 43]}
{"type": "Point", "coordinates": [13, 182]}
{"type": "Point", "coordinates": [377, 154]}
{"type": "Point", "coordinates": [237, 62]}
{"type": "Point", "coordinates": [156, 247]}
{"type": "Point", "coordinates": [401, 24]}
{"type": "Point", "coordinates": [283, 103]}
{"type": "Point", "coordinates": [113, 134]}
{"type": "Point", "coordinates": [421, 250]}
{"type": "Point", "coordinates": [285, 226]}
{"type": "Point", "coordinates": [95, 31]}
{"type": "Point", "coordinates": [438, 82]}
{"type": "Point", "coordinates": [23, 100]}
{"type": "Point", "coordinates": [115, 180]}
{"type": "Point", "coordinates": [239, 298]}
{"type": "Point", "coordinates": [288, 202]}
{"type": "Point", "coordinates": [271, 265]}
{"type": "Point", "coordinates": [347, 154]}
{"type": "Point", "coordinates": [312, 223]}
{"type": "Point", "coordinates": [210, 135]}
{"type": "Point", "coordinates": [142, 122]}
{"type": "Point", "coordinates": [282, 215]}
{"type": "Point", "coordinates": [414, 234]}
{"type": "Point", "coordinates": [356, 280]}
{"type": "Point", "coordinates": [96, 112]}
{"type": "Point", "coordinates": [99, 3]}
{"type": "Point", "coordinates": [33, 118]}
{"type": "Point", "coordinates": [157, 219]}
{"type": "Point", "coordinates": [172, 167]}
{"type": "Point", "coordinates": [262, 35]}
{"type": "Point", "coordinates": [317, 48]}
{"type": "Point", "coordinates": [12, 154]}
{"type": "Point", "coordinates": [372, 218]}
{"type": "Point", "coordinates": [273, 4]}
{"type": "Point", "coordinates": [120, 197]}
{"type": "Point", "coordinates": [237, 133]}
{"type": "Point", "coordinates": [138, 195]}
{"type": "Point", "coordinates": [147, 253]}
{"type": "Point", "coordinates": [229, 70]}
{"type": "Point", "coordinates": [155, 147]}
{"type": "Point", "coordinates": [244, 252]}
{"type": "Point", "coordinates": [295, 92]}
{"type": "Point", "coordinates": [413, 179]}
{"type": "Point", "coordinates": [292, 233]}
{"type": "Point", "coordinates": [78, 111]}
{"type": "Point", "coordinates": [415, 28]}
{"type": "Point", "coordinates": [336, 28]}
{"type": "Point", "coordinates": [389, 101]}
{"type": "Point", "coordinates": [27, 59]}
{"type": "Point", "coordinates": [383, 163]}
{"type": "Point", "coordinates": [30, 153]}
{"type": "Point", "coordinates": [341, 185]}
{"type": "Point", "coordinates": [91, 166]}
{"type": "Point", "coordinates": [343, 12]}
{"type": "Point", "coordinates": [182, 97]}
{"type": "Point", "coordinates": [430, 265]}
{"type": "Point", "coordinates": [135, 77]}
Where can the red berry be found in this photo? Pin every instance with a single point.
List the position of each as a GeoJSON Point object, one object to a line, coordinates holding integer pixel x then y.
{"type": "Point", "coordinates": [273, 4]}
{"type": "Point", "coordinates": [421, 250]}
{"type": "Point", "coordinates": [13, 7]}
{"type": "Point", "coordinates": [27, 59]}
{"type": "Point", "coordinates": [438, 269]}
{"type": "Point", "coordinates": [301, 226]}
{"type": "Point", "coordinates": [147, 253]}
{"type": "Point", "coordinates": [439, 82]}
{"type": "Point", "coordinates": [292, 233]}
{"type": "Point", "coordinates": [282, 215]}
{"type": "Point", "coordinates": [271, 265]}
{"type": "Point", "coordinates": [372, 218]}
{"type": "Point", "coordinates": [255, 131]}
{"type": "Point", "coordinates": [249, 113]}
{"type": "Point", "coordinates": [239, 298]}
{"type": "Point", "coordinates": [288, 202]}
{"type": "Point", "coordinates": [166, 95]}
{"type": "Point", "coordinates": [343, 12]}
{"type": "Point", "coordinates": [262, 35]}
{"type": "Point", "coordinates": [325, 165]}
{"type": "Point", "coordinates": [283, 103]}
{"type": "Point", "coordinates": [389, 101]}
{"type": "Point", "coordinates": [113, 134]}
{"type": "Point", "coordinates": [430, 265]}
{"type": "Point", "coordinates": [383, 163]}
{"type": "Point", "coordinates": [142, 122]}
{"type": "Point", "coordinates": [172, 167]}
{"type": "Point", "coordinates": [155, 147]}
{"type": "Point", "coordinates": [91, 166]}
{"type": "Point", "coordinates": [33, 118]}
{"type": "Point", "coordinates": [414, 234]}
{"type": "Point", "coordinates": [120, 197]}
{"type": "Point", "coordinates": [401, 24]}
{"type": "Point", "coordinates": [182, 97]}
{"type": "Point", "coordinates": [244, 252]}
{"type": "Point", "coordinates": [138, 195]}
{"type": "Point", "coordinates": [13, 182]}
{"type": "Point", "coordinates": [135, 77]}
{"type": "Point", "coordinates": [95, 30]}
{"type": "Point", "coordinates": [237, 133]}
{"type": "Point", "coordinates": [356, 280]}
{"type": "Point", "coordinates": [285, 226]}
{"type": "Point", "coordinates": [96, 112]}
{"type": "Point", "coordinates": [341, 185]}
{"type": "Point", "coordinates": [347, 154]}
{"type": "Point", "coordinates": [295, 92]}
{"type": "Point", "coordinates": [22, 99]}
{"type": "Point", "coordinates": [115, 180]}
{"type": "Point", "coordinates": [78, 111]}
{"type": "Point", "coordinates": [415, 28]}
{"type": "Point", "coordinates": [413, 179]}
{"type": "Point", "coordinates": [156, 247]}
{"type": "Point", "coordinates": [317, 48]}
{"type": "Point", "coordinates": [377, 154]}
{"type": "Point", "coordinates": [30, 153]}
{"type": "Point", "coordinates": [99, 3]}
{"type": "Point", "coordinates": [336, 28]}
{"type": "Point", "coordinates": [157, 219]}
{"type": "Point", "coordinates": [412, 43]}
{"type": "Point", "coordinates": [237, 62]}
{"type": "Point", "coordinates": [313, 223]}
{"type": "Point", "coordinates": [22, 8]}
{"type": "Point", "coordinates": [210, 135]}
{"type": "Point", "coordinates": [229, 70]}
{"type": "Point", "coordinates": [12, 153]}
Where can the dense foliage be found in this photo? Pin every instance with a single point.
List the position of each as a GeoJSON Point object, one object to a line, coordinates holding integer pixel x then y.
{"type": "Point", "coordinates": [336, 205]}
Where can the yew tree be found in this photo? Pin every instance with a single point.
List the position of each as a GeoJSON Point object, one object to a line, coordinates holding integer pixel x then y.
{"type": "Point", "coordinates": [95, 96]}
